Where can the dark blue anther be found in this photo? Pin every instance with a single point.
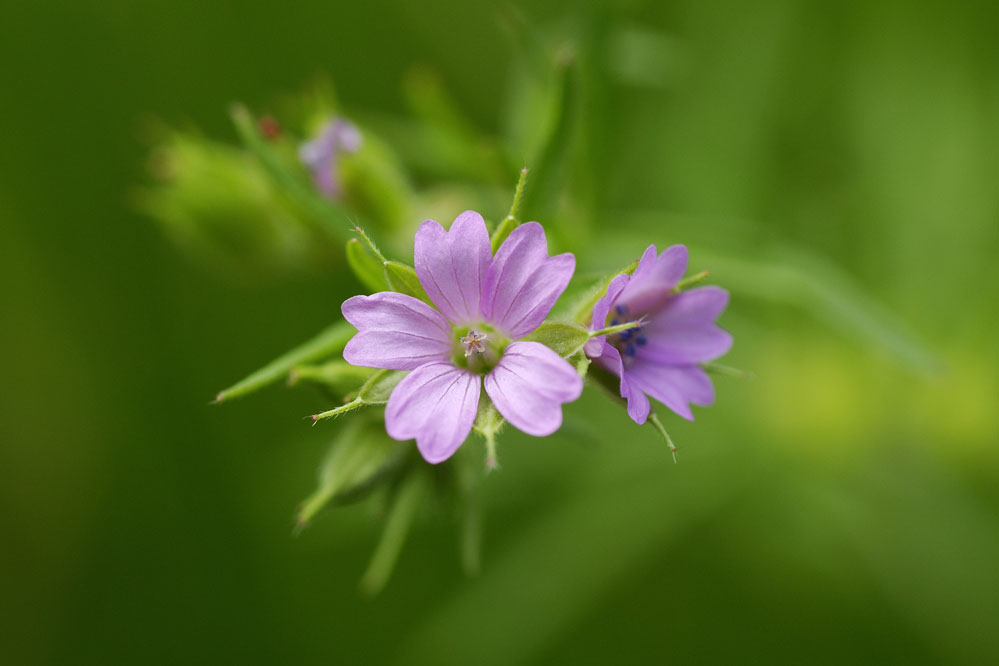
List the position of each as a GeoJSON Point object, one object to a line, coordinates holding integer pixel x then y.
{"type": "Point", "coordinates": [641, 341]}
{"type": "Point", "coordinates": [615, 322]}
{"type": "Point", "coordinates": [626, 335]}
{"type": "Point", "coordinates": [630, 349]}
{"type": "Point", "coordinates": [620, 309]}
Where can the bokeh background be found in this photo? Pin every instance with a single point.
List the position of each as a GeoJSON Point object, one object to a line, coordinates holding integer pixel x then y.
{"type": "Point", "coordinates": [835, 165]}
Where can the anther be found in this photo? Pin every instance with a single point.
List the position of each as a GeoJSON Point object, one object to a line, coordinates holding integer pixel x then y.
{"type": "Point", "coordinates": [473, 343]}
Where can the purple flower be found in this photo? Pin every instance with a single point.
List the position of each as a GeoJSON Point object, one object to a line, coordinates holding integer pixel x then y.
{"type": "Point", "coordinates": [322, 153]}
{"type": "Point", "coordinates": [484, 305]}
{"type": "Point", "coordinates": [662, 357]}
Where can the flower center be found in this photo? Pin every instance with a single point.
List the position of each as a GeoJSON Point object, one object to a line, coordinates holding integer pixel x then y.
{"type": "Point", "coordinates": [473, 342]}
{"type": "Point", "coordinates": [478, 349]}
{"type": "Point", "coordinates": [627, 342]}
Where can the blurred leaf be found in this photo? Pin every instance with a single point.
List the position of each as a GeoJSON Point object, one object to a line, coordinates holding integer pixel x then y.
{"type": "Point", "coordinates": [365, 266]}
{"type": "Point", "coordinates": [339, 376]}
{"type": "Point", "coordinates": [411, 493]}
{"type": "Point", "coordinates": [807, 281]}
{"type": "Point", "coordinates": [331, 341]}
{"type": "Point", "coordinates": [327, 213]}
{"type": "Point", "coordinates": [359, 458]}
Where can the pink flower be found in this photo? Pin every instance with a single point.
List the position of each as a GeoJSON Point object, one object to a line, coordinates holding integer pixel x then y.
{"type": "Point", "coordinates": [484, 304]}
{"type": "Point", "coordinates": [321, 155]}
{"type": "Point", "coordinates": [661, 358]}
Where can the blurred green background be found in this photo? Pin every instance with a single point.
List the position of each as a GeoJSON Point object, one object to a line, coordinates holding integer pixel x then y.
{"type": "Point", "coordinates": [841, 507]}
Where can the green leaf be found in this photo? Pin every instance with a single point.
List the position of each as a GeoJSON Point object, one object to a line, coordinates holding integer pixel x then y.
{"type": "Point", "coordinates": [331, 341]}
{"type": "Point", "coordinates": [366, 267]}
{"type": "Point", "coordinates": [360, 457]}
{"type": "Point", "coordinates": [563, 338]}
{"type": "Point", "coordinates": [403, 279]}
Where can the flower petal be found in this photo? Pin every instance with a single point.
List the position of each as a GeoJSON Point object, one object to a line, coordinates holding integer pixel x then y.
{"type": "Point", "coordinates": [638, 402]}
{"type": "Point", "coordinates": [684, 332]}
{"type": "Point", "coordinates": [523, 282]}
{"type": "Point", "coordinates": [595, 346]}
{"type": "Point", "coordinates": [395, 331]}
{"type": "Point", "coordinates": [654, 277]}
{"type": "Point", "coordinates": [673, 385]}
{"type": "Point", "coordinates": [436, 405]}
{"type": "Point", "coordinates": [452, 264]}
{"type": "Point", "coordinates": [529, 386]}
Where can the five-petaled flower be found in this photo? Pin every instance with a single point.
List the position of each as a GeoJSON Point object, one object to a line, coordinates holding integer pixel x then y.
{"type": "Point", "coordinates": [662, 357]}
{"type": "Point", "coordinates": [485, 305]}
{"type": "Point", "coordinates": [321, 155]}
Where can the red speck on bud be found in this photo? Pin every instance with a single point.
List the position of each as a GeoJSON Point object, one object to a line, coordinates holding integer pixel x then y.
{"type": "Point", "coordinates": [269, 127]}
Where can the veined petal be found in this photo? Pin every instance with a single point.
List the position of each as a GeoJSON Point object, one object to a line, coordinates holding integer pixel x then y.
{"type": "Point", "coordinates": [395, 332]}
{"type": "Point", "coordinates": [452, 264]}
{"type": "Point", "coordinates": [654, 277]}
{"type": "Point", "coordinates": [435, 405]}
{"type": "Point", "coordinates": [673, 385]}
{"type": "Point", "coordinates": [529, 386]}
{"type": "Point", "coordinates": [684, 332]}
{"type": "Point", "coordinates": [523, 282]}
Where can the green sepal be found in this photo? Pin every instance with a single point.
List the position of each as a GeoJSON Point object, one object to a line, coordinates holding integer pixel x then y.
{"type": "Point", "coordinates": [375, 391]}
{"type": "Point", "coordinates": [356, 462]}
{"type": "Point", "coordinates": [489, 423]}
{"type": "Point", "coordinates": [403, 279]}
{"type": "Point", "coordinates": [340, 376]}
{"type": "Point", "coordinates": [366, 267]}
{"type": "Point", "coordinates": [563, 338]}
{"type": "Point", "coordinates": [331, 341]}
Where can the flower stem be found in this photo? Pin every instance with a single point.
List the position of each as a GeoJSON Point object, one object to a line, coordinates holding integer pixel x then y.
{"type": "Point", "coordinates": [510, 222]}
{"type": "Point", "coordinates": [657, 424]}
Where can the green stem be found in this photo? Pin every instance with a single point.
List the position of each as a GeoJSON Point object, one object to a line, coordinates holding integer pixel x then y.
{"type": "Point", "coordinates": [657, 424]}
{"type": "Point", "coordinates": [510, 222]}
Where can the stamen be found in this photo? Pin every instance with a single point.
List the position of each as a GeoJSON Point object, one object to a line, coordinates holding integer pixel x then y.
{"type": "Point", "coordinates": [629, 349]}
{"type": "Point", "coordinates": [621, 309]}
{"type": "Point", "coordinates": [626, 335]}
{"type": "Point", "coordinates": [473, 343]}
{"type": "Point", "coordinates": [615, 322]}
{"type": "Point", "coordinates": [641, 341]}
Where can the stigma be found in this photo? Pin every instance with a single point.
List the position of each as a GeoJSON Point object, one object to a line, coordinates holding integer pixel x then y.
{"type": "Point", "coordinates": [473, 343]}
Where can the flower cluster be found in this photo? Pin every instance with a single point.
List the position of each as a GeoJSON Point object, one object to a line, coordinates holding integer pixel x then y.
{"type": "Point", "coordinates": [469, 335]}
